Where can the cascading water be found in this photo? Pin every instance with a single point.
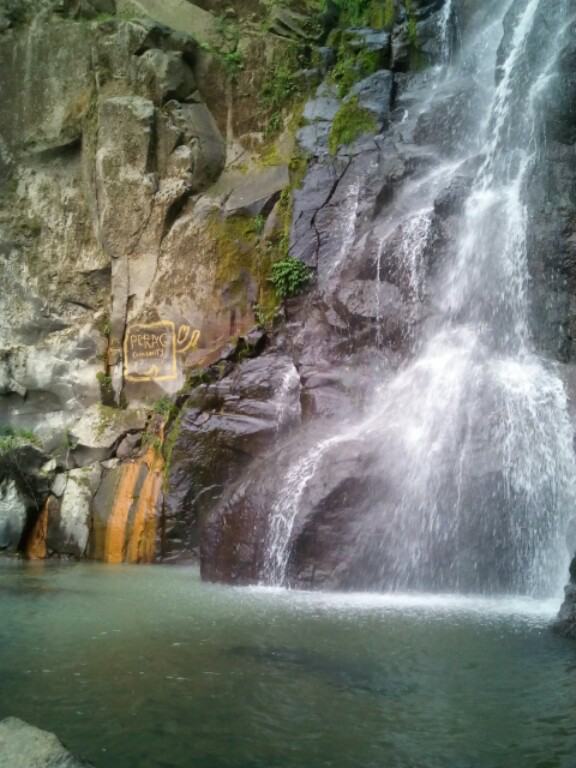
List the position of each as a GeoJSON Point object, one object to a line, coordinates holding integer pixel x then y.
{"type": "Point", "coordinates": [472, 434]}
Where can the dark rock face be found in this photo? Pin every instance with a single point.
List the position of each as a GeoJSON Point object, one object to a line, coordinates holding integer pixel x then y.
{"type": "Point", "coordinates": [552, 241]}
{"type": "Point", "coordinates": [225, 426]}
{"type": "Point", "coordinates": [565, 624]}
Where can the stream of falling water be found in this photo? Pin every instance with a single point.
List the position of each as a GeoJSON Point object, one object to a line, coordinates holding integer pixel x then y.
{"type": "Point", "coordinates": [473, 434]}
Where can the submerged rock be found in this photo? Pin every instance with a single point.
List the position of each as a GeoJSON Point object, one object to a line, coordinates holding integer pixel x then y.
{"type": "Point", "coordinates": [25, 746]}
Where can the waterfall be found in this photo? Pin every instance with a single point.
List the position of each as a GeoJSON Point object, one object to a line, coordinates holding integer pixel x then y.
{"type": "Point", "coordinates": [472, 433]}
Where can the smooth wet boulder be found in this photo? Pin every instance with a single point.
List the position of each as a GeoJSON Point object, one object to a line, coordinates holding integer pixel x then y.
{"type": "Point", "coordinates": [25, 746]}
{"type": "Point", "coordinates": [69, 521]}
{"type": "Point", "coordinates": [325, 490]}
{"type": "Point", "coordinates": [225, 426]}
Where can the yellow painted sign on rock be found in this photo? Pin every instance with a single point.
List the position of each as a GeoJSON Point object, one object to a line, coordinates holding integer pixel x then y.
{"type": "Point", "coordinates": [150, 350]}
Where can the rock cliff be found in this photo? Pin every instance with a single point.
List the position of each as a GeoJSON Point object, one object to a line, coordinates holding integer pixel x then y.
{"type": "Point", "coordinates": [166, 167]}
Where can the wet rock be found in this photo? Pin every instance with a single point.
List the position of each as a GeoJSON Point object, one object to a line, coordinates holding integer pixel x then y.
{"type": "Point", "coordinates": [323, 540]}
{"type": "Point", "coordinates": [258, 193]}
{"type": "Point", "coordinates": [365, 299]}
{"type": "Point", "coordinates": [314, 138]}
{"type": "Point", "coordinates": [179, 15]}
{"type": "Point", "coordinates": [125, 510]}
{"type": "Point", "coordinates": [367, 39]}
{"type": "Point", "coordinates": [95, 435]}
{"type": "Point", "coordinates": [324, 106]}
{"type": "Point", "coordinates": [451, 200]}
{"type": "Point", "coordinates": [230, 423]}
{"type": "Point", "coordinates": [374, 93]}
{"type": "Point", "coordinates": [69, 522]}
{"type": "Point", "coordinates": [13, 515]}
{"type": "Point", "coordinates": [313, 196]}
{"type": "Point", "coordinates": [24, 746]}
{"type": "Point", "coordinates": [565, 623]}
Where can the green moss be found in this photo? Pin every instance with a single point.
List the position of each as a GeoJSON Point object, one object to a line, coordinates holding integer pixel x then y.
{"type": "Point", "coordinates": [352, 66]}
{"type": "Point", "coordinates": [350, 122]}
{"type": "Point", "coordinates": [235, 246]}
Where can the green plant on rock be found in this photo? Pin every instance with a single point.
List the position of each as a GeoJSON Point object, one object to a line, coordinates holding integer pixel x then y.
{"type": "Point", "coordinates": [11, 438]}
{"type": "Point", "coordinates": [258, 223]}
{"type": "Point", "coordinates": [289, 277]}
{"type": "Point", "coordinates": [233, 63]}
{"type": "Point", "coordinates": [350, 122]}
{"type": "Point", "coordinates": [163, 406]}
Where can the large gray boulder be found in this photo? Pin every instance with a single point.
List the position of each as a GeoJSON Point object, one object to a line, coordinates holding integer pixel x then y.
{"type": "Point", "coordinates": [25, 746]}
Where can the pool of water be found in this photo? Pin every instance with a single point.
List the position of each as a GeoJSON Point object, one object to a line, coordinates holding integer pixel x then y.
{"type": "Point", "coordinates": [146, 667]}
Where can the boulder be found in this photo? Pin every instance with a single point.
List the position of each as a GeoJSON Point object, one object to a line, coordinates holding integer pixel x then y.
{"type": "Point", "coordinates": [374, 93]}
{"type": "Point", "coordinates": [69, 522]}
{"type": "Point", "coordinates": [97, 432]}
{"type": "Point", "coordinates": [258, 192]}
{"type": "Point", "coordinates": [178, 14]}
{"type": "Point", "coordinates": [25, 746]}
{"type": "Point", "coordinates": [367, 39]}
{"type": "Point", "coordinates": [326, 487]}
{"type": "Point", "coordinates": [226, 425]}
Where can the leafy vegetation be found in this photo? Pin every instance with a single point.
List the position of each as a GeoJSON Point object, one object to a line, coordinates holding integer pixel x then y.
{"type": "Point", "coordinates": [350, 122]}
{"type": "Point", "coordinates": [289, 277]}
{"type": "Point", "coordinates": [163, 406]}
{"type": "Point", "coordinates": [11, 438]}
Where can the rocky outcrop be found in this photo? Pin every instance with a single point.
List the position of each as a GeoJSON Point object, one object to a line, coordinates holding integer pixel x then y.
{"type": "Point", "coordinates": [25, 746]}
{"type": "Point", "coordinates": [139, 215]}
{"type": "Point", "coordinates": [222, 428]}
{"type": "Point", "coordinates": [365, 306]}
{"type": "Point", "coordinates": [565, 623]}
{"type": "Point", "coordinates": [26, 474]}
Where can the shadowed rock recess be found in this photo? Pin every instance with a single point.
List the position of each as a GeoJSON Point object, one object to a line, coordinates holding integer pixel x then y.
{"type": "Point", "coordinates": [397, 416]}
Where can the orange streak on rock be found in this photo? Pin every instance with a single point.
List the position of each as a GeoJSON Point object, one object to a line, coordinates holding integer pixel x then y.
{"type": "Point", "coordinates": [142, 540]}
{"type": "Point", "coordinates": [36, 545]}
{"type": "Point", "coordinates": [116, 530]}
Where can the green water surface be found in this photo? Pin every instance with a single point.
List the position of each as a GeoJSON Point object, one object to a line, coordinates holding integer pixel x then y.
{"type": "Point", "coordinates": [146, 667]}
